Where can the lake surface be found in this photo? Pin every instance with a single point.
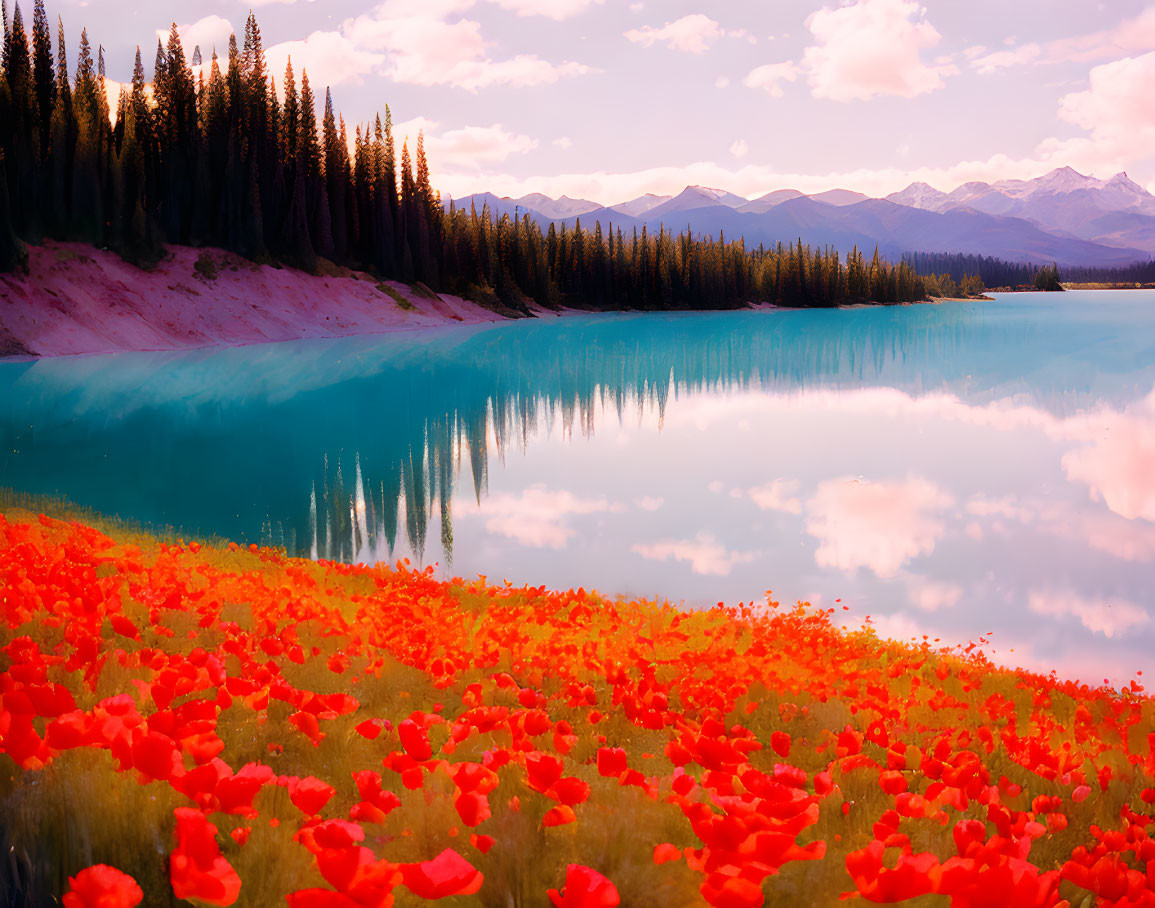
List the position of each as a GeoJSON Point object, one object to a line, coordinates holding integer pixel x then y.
{"type": "Point", "coordinates": [951, 470]}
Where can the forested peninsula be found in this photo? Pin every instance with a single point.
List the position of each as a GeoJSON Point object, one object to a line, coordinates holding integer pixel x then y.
{"type": "Point", "coordinates": [219, 156]}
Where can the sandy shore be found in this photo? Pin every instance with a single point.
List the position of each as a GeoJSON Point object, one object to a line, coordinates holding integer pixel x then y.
{"type": "Point", "coordinates": [83, 300]}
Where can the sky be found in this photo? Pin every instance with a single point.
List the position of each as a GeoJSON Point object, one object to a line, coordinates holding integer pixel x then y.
{"type": "Point", "coordinates": [610, 99]}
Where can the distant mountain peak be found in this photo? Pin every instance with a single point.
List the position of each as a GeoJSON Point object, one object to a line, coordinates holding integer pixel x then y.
{"type": "Point", "coordinates": [839, 197]}
{"type": "Point", "coordinates": [719, 195]}
{"type": "Point", "coordinates": [918, 195]}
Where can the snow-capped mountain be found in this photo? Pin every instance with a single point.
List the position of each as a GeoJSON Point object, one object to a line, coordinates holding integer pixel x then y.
{"type": "Point", "coordinates": [562, 208]}
{"type": "Point", "coordinates": [1115, 211]}
{"type": "Point", "coordinates": [640, 205]}
{"type": "Point", "coordinates": [693, 197]}
{"type": "Point", "coordinates": [1064, 216]}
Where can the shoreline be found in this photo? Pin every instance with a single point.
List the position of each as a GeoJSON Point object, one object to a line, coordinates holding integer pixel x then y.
{"type": "Point", "coordinates": [79, 300]}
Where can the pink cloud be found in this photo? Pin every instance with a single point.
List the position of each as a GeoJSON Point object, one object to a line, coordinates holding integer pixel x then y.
{"type": "Point", "coordinates": [1002, 59]}
{"type": "Point", "coordinates": [932, 595]}
{"type": "Point", "coordinates": [537, 517]}
{"type": "Point", "coordinates": [425, 45]}
{"type": "Point", "coordinates": [777, 495]}
{"type": "Point", "coordinates": [875, 525]}
{"type": "Point", "coordinates": [872, 48]}
{"type": "Point", "coordinates": [1106, 616]}
{"type": "Point", "coordinates": [704, 553]}
{"type": "Point", "coordinates": [770, 77]}
{"type": "Point", "coordinates": [550, 9]}
{"type": "Point", "coordinates": [1006, 506]}
{"type": "Point", "coordinates": [1118, 112]}
{"type": "Point", "coordinates": [329, 57]}
{"type": "Point", "coordinates": [692, 34]}
{"type": "Point", "coordinates": [206, 33]}
{"type": "Point", "coordinates": [1119, 465]}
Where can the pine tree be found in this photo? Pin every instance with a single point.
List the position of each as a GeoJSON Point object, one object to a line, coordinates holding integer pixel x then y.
{"type": "Point", "coordinates": [316, 191]}
{"type": "Point", "coordinates": [87, 196]}
{"type": "Point", "coordinates": [61, 142]}
{"type": "Point", "coordinates": [4, 48]}
{"type": "Point", "coordinates": [13, 254]}
{"type": "Point", "coordinates": [408, 214]}
{"type": "Point", "coordinates": [42, 74]}
{"type": "Point", "coordinates": [336, 179]}
{"type": "Point", "coordinates": [21, 139]}
{"type": "Point", "coordinates": [290, 118]}
{"type": "Point", "coordinates": [135, 233]}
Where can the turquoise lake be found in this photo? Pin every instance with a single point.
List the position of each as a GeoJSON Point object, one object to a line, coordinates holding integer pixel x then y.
{"type": "Point", "coordinates": [953, 470]}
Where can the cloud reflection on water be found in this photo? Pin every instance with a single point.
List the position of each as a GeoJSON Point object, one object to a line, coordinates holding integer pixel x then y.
{"type": "Point", "coordinates": [939, 462]}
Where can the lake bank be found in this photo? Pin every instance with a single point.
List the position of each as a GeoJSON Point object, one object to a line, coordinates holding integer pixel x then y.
{"type": "Point", "coordinates": [81, 300]}
{"type": "Point", "coordinates": [84, 300]}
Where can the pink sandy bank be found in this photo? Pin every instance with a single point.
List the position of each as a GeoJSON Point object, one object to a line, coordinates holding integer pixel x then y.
{"type": "Point", "coordinates": [78, 299]}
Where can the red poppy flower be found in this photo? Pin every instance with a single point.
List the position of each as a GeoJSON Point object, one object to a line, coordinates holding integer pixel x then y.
{"type": "Point", "coordinates": [912, 876]}
{"type": "Point", "coordinates": [196, 868]}
{"type": "Point", "coordinates": [446, 875]}
{"type": "Point", "coordinates": [310, 795]}
{"type": "Point", "coordinates": [559, 816]}
{"type": "Point", "coordinates": [101, 886]}
{"type": "Point", "coordinates": [415, 740]}
{"type": "Point", "coordinates": [543, 770]}
{"type": "Point", "coordinates": [665, 852]}
{"type": "Point", "coordinates": [585, 888]}
{"type": "Point", "coordinates": [612, 761]}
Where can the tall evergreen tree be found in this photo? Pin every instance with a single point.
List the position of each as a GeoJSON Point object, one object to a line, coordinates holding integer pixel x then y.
{"type": "Point", "coordinates": [42, 74]}
{"type": "Point", "coordinates": [309, 155]}
{"type": "Point", "coordinates": [13, 254]}
{"type": "Point", "coordinates": [61, 142]}
{"type": "Point", "coordinates": [336, 179]}
{"type": "Point", "coordinates": [87, 182]}
{"type": "Point", "coordinates": [21, 139]}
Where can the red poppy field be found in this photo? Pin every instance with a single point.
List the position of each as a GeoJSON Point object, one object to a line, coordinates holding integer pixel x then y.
{"type": "Point", "coordinates": [228, 726]}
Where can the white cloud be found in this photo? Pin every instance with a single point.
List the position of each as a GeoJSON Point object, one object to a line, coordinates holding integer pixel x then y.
{"type": "Point", "coordinates": [777, 495]}
{"type": "Point", "coordinates": [722, 82]}
{"type": "Point", "coordinates": [872, 48]}
{"type": "Point", "coordinates": [1002, 59]}
{"type": "Point", "coordinates": [563, 142]}
{"type": "Point", "coordinates": [932, 595]}
{"type": "Point", "coordinates": [1137, 34]}
{"type": "Point", "coordinates": [704, 553]}
{"type": "Point", "coordinates": [1129, 36]}
{"type": "Point", "coordinates": [537, 517]}
{"type": "Point", "coordinates": [770, 77]}
{"type": "Point", "coordinates": [649, 502]}
{"type": "Point", "coordinates": [551, 9]}
{"type": "Point", "coordinates": [740, 148]}
{"type": "Point", "coordinates": [875, 525]}
{"type": "Point", "coordinates": [330, 58]}
{"type": "Point", "coordinates": [1006, 506]}
{"type": "Point", "coordinates": [469, 146]}
{"type": "Point", "coordinates": [867, 49]}
{"type": "Point", "coordinates": [691, 34]}
{"type": "Point", "coordinates": [1117, 465]}
{"type": "Point", "coordinates": [1106, 616]}
{"type": "Point", "coordinates": [206, 33]}
{"type": "Point", "coordinates": [1118, 112]}
{"type": "Point", "coordinates": [426, 42]}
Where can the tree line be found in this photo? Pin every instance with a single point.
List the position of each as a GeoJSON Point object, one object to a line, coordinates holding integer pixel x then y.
{"type": "Point", "coordinates": [221, 157]}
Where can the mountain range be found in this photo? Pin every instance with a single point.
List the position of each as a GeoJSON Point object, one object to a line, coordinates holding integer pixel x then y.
{"type": "Point", "coordinates": [1064, 217]}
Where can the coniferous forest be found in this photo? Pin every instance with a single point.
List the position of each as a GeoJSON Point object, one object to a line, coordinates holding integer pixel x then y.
{"type": "Point", "coordinates": [224, 158]}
